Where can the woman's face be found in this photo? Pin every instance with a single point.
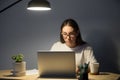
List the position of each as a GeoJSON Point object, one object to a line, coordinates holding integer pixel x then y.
{"type": "Point", "coordinates": [69, 35]}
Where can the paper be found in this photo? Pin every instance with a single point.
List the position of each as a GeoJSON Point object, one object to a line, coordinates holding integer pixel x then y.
{"type": "Point", "coordinates": [31, 72]}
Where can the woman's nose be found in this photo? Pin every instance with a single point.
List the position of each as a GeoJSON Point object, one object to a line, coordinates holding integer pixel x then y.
{"type": "Point", "coordinates": [68, 37]}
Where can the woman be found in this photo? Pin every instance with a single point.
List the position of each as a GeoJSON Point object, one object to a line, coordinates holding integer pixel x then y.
{"type": "Point", "coordinates": [70, 40]}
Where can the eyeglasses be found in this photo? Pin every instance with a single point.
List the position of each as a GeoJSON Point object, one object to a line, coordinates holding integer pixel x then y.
{"type": "Point", "coordinates": [70, 34]}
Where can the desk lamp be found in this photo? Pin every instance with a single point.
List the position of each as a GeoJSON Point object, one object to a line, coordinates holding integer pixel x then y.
{"type": "Point", "coordinates": [32, 5]}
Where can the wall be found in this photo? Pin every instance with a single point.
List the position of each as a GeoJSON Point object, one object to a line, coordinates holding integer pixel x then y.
{"type": "Point", "coordinates": [23, 31]}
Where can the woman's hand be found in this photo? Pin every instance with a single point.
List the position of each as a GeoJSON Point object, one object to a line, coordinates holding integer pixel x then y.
{"type": "Point", "coordinates": [77, 71]}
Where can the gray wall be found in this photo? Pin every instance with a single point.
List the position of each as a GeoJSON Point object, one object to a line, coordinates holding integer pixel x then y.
{"type": "Point", "coordinates": [23, 31]}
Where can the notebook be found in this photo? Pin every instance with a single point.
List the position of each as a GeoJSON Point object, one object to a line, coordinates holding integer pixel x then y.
{"type": "Point", "coordinates": [56, 64]}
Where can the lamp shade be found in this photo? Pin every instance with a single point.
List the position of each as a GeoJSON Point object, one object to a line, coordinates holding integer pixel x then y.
{"type": "Point", "coordinates": [39, 5]}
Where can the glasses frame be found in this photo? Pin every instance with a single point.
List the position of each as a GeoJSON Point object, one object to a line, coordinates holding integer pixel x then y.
{"type": "Point", "coordinates": [71, 34]}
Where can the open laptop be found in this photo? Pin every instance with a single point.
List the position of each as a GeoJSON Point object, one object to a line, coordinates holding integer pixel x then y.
{"type": "Point", "coordinates": [56, 64]}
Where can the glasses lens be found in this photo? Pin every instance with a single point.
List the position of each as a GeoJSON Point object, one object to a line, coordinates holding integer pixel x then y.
{"type": "Point", "coordinates": [70, 34]}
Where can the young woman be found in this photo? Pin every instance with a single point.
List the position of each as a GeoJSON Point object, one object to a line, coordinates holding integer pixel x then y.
{"type": "Point", "coordinates": [70, 40]}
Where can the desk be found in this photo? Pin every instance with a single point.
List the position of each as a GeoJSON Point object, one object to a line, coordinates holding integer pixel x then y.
{"type": "Point", "coordinates": [6, 75]}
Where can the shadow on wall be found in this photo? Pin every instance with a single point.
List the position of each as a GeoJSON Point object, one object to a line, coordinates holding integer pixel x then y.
{"type": "Point", "coordinates": [105, 51]}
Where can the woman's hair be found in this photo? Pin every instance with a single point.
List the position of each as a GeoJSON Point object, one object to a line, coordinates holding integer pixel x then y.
{"type": "Point", "coordinates": [75, 26]}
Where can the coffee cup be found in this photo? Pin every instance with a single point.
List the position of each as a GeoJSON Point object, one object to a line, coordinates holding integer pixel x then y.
{"type": "Point", "coordinates": [94, 68]}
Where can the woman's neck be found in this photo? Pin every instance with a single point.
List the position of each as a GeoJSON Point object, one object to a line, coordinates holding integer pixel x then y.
{"type": "Point", "coordinates": [71, 45]}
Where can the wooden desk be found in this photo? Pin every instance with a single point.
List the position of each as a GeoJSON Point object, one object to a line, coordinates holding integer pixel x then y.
{"type": "Point", "coordinates": [6, 75]}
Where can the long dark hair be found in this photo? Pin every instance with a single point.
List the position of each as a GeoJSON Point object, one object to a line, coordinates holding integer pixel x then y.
{"type": "Point", "coordinates": [75, 26]}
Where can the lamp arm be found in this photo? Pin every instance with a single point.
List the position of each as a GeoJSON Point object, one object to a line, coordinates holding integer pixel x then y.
{"type": "Point", "coordinates": [10, 6]}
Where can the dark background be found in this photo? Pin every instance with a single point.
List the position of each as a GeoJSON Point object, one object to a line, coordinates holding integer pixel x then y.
{"type": "Point", "coordinates": [23, 31]}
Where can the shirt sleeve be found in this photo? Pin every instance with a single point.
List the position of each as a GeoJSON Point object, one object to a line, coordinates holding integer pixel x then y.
{"type": "Point", "coordinates": [55, 46]}
{"type": "Point", "coordinates": [89, 56]}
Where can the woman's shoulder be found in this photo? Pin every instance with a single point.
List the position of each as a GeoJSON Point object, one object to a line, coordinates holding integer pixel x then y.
{"type": "Point", "coordinates": [58, 43]}
{"type": "Point", "coordinates": [86, 46]}
{"type": "Point", "coordinates": [57, 46]}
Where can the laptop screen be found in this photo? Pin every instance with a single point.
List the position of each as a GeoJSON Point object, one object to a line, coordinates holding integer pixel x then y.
{"type": "Point", "coordinates": [56, 64]}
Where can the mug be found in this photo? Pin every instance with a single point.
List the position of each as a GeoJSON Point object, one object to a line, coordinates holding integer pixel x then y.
{"type": "Point", "coordinates": [94, 68]}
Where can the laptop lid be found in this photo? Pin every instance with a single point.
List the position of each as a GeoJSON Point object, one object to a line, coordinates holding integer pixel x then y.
{"type": "Point", "coordinates": [56, 64]}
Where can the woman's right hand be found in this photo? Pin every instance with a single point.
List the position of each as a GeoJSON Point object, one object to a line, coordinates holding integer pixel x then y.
{"type": "Point", "coordinates": [77, 71]}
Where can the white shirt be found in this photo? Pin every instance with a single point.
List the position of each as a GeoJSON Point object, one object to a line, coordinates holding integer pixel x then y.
{"type": "Point", "coordinates": [83, 54]}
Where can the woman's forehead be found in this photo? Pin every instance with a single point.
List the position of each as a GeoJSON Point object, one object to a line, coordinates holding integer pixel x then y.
{"type": "Point", "coordinates": [67, 28]}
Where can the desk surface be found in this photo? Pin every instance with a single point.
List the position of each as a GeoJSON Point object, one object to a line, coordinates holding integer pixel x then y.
{"type": "Point", "coordinates": [5, 74]}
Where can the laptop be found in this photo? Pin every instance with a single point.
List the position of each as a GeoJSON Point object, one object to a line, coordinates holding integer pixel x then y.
{"type": "Point", "coordinates": [56, 64]}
